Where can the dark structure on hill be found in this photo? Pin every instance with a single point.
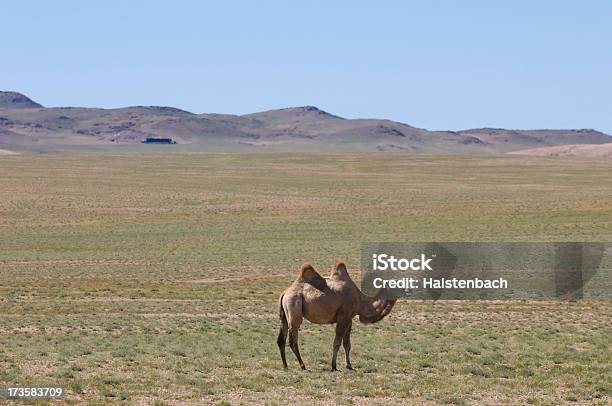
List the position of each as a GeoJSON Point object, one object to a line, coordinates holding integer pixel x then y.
{"type": "Point", "coordinates": [154, 140]}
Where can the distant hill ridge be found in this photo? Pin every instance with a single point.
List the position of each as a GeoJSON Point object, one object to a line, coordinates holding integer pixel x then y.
{"type": "Point", "coordinates": [16, 100]}
{"type": "Point", "coordinates": [28, 125]}
{"type": "Point", "coordinates": [580, 150]}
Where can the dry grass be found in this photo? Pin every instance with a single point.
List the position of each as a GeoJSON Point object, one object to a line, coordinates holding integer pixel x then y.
{"type": "Point", "coordinates": [149, 278]}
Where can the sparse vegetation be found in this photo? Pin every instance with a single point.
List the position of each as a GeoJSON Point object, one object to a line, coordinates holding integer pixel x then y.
{"type": "Point", "coordinates": [151, 279]}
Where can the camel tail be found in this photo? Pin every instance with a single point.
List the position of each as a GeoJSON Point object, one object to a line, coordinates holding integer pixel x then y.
{"type": "Point", "coordinates": [281, 311]}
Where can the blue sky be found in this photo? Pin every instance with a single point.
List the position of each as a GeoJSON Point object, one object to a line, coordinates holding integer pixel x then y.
{"type": "Point", "coordinates": [432, 64]}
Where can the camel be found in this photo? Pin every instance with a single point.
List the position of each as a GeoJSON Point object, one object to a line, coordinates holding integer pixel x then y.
{"type": "Point", "coordinates": [335, 299]}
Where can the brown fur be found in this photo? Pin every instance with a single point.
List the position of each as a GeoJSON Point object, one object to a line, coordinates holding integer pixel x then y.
{"type": "Point", "coordinates": [335, 299]}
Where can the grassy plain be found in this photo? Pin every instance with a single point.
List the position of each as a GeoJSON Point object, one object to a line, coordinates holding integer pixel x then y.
{"type": "Point", "coordinates": [152, 278]}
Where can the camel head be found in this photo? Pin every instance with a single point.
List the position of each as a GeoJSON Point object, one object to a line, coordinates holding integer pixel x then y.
{"type": "Point", "coordinates": [373, 310]}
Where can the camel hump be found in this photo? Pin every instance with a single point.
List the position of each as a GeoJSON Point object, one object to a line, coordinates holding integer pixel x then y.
{"type": "Point", "coordinates": [312, 277]}
{"type": "Point", "coordinates": [339, 271]}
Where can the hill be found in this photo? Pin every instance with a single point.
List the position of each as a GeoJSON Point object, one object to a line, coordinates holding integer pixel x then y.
{"type": "Point", "coordinates": [16, 100]}
{"type": "Point", "coordinates": [25, 124]}
{"type": "Point", "coordinates": [577, 150]}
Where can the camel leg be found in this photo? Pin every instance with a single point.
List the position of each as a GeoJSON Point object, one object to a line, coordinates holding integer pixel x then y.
{"type": "Point", "coordinates": [341, 327]}
{"type": "Point", "coordinates": [282, 335]}
{"type": "Point", "coordinates": [346, 342]}
{"type": "Point", "coordinates": [293, 343]}
{"type": "Point", "coordinates": [293, 309]}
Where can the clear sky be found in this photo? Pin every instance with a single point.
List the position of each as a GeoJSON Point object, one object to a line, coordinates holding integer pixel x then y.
{"type": "Point", "coordinates": [432, 64]}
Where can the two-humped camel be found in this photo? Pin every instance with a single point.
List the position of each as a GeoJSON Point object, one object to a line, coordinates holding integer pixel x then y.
{"type": "Point", "coordinates": [335, 299]}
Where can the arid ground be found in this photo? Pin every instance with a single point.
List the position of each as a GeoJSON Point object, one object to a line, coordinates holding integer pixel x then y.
{"type": "Point", "coordinates": [154, 278]}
